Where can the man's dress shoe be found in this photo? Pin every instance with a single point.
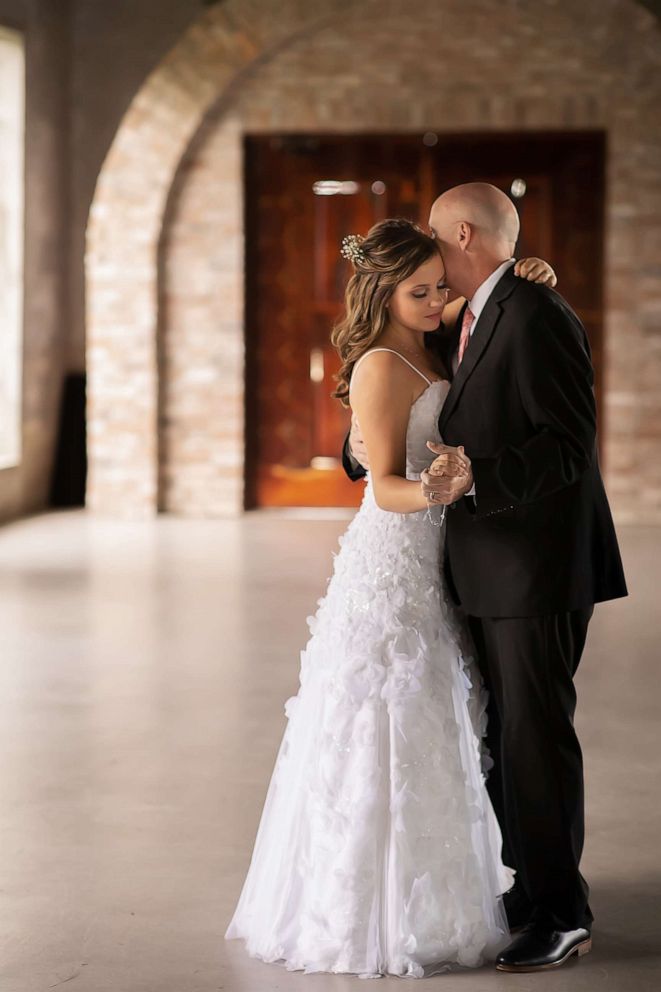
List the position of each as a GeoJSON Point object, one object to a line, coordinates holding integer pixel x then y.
{"type": "Point", "coordinates": [538, 948]}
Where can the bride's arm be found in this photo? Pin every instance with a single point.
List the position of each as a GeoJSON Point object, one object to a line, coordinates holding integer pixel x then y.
{"type": "Point", "coordinates": [452, 310]}
{"type": "Point", "coordinates": [381, 397]}
{"type": "Point", "coordinates": [532, 269]}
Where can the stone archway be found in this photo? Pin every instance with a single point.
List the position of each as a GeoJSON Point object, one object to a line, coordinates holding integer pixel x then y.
{"type": "Point", "coordinates": [125, 225]}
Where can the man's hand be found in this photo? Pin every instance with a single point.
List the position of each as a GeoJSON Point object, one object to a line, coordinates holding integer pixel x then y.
{"type": "Point", "coordinates": [449, 477]}
{"type": "Point", "coordinates": [536, 270]}
{"type": "Point", "coordinates": [357, 445]}
{"type": "Point", "coordinates": [450, 461]}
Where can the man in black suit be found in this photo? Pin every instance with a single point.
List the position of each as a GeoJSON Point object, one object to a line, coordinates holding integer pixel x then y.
{"type": "Point", "coordinates": [530, 548]}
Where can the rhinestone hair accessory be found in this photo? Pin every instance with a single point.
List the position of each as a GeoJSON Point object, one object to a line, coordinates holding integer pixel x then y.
{"type": "Point", "coordinates": [351, 249]}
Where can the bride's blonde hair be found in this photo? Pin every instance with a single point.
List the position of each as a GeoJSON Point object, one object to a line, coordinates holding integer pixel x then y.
{"type": "Point", "coordinates": [391, 252]}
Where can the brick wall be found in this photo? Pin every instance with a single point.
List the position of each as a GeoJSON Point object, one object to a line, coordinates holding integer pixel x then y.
{"type": "Point", "coordinates": [165, 243]}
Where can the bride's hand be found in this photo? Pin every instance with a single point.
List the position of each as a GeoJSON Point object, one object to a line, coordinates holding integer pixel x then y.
{"type": "Point", "coordinates": [450, 461]}
{"type": "Point", "coordinates": [450, 475]}
{"type": "Point", "coordinates": [536, 270]}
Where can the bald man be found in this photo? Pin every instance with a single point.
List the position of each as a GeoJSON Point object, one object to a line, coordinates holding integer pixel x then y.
{"type": "Point", "coordinates": [530, 548]}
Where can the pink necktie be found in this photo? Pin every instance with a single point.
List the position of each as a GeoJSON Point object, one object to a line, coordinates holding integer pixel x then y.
{"type": "Point", "coordinates": [466, 325]}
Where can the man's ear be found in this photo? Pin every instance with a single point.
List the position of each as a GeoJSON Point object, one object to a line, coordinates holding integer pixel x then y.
{"type": "Point", "coordinates": [464, 234]}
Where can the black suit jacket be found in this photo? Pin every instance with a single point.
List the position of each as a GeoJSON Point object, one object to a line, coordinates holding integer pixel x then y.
{"type": "Point", "coordinates": [539, 536]}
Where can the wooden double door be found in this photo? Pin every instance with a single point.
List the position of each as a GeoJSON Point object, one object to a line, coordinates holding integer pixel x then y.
{"type": "Point", "coordinates": [304, 193]}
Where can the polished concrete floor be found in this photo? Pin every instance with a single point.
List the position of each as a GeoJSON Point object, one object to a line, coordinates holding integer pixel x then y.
{"type": "Point", "coordinates": [143, 671]}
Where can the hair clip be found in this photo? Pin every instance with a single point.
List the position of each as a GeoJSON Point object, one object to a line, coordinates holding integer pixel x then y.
{"type": "Point", "coordinates": [351, 249]}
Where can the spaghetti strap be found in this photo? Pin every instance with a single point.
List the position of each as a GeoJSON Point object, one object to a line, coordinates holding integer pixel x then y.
{"type": "Point", "coordinates": [392, 352]}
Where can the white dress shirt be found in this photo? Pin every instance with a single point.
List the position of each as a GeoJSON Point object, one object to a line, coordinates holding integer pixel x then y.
{"type": "Point", "coordinates": [476, 305]}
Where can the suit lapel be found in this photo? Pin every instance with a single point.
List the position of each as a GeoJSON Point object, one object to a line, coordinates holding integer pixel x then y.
{"type": "Point", "coordinates": [482, 333]}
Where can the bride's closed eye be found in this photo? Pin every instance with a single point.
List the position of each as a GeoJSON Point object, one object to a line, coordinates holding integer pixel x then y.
{"type": "Point", "coordinates": [440, 287]}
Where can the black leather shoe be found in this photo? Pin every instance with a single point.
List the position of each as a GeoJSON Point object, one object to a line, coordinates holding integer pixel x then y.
{"type": "Point", "coordinates": [538, 948]}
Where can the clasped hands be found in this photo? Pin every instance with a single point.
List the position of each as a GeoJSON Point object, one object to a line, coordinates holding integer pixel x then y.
{"type": "Point", "coordinates": [448, 478]}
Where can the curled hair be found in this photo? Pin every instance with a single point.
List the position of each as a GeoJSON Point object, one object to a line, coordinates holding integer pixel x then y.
{"type": "Point", "coordinates": [391, 252]}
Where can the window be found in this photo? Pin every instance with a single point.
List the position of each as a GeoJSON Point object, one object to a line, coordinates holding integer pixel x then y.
{"type": "Point", "coordinates": [12, 116]}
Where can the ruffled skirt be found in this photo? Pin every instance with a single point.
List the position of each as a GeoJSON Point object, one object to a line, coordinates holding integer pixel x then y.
{"type": "Point", "coordinates": [378, 851]}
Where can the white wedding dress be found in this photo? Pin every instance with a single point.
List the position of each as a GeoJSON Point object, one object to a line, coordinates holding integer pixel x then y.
{"type": "Point", "coordinates": [378, 851]}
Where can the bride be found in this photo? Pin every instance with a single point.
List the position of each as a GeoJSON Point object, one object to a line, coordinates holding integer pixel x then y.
{"type": "Point", "coordinates": [378, 851]}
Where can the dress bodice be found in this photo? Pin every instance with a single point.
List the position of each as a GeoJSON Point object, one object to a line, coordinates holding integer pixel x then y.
{"type": "Point", "coordinates": [423, 418]}
{"type": "Point", "coordinates": [423, 427]}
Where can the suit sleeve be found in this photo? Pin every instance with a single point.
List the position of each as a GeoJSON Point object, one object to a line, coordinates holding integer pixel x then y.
{"type": "Point", "coordinates": [555, 379]}
{"type": "Point", "coordinates": [353, 469]}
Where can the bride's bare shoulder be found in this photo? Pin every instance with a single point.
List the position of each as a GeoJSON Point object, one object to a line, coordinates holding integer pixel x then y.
{"type": "Point", "coordinates": [379, 367]}
{"type": "Point", "coordinates": [380, 376]}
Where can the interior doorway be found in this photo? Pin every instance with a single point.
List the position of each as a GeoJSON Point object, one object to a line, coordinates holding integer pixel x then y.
{"type": "Point", "coordinates": [304, 193]}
